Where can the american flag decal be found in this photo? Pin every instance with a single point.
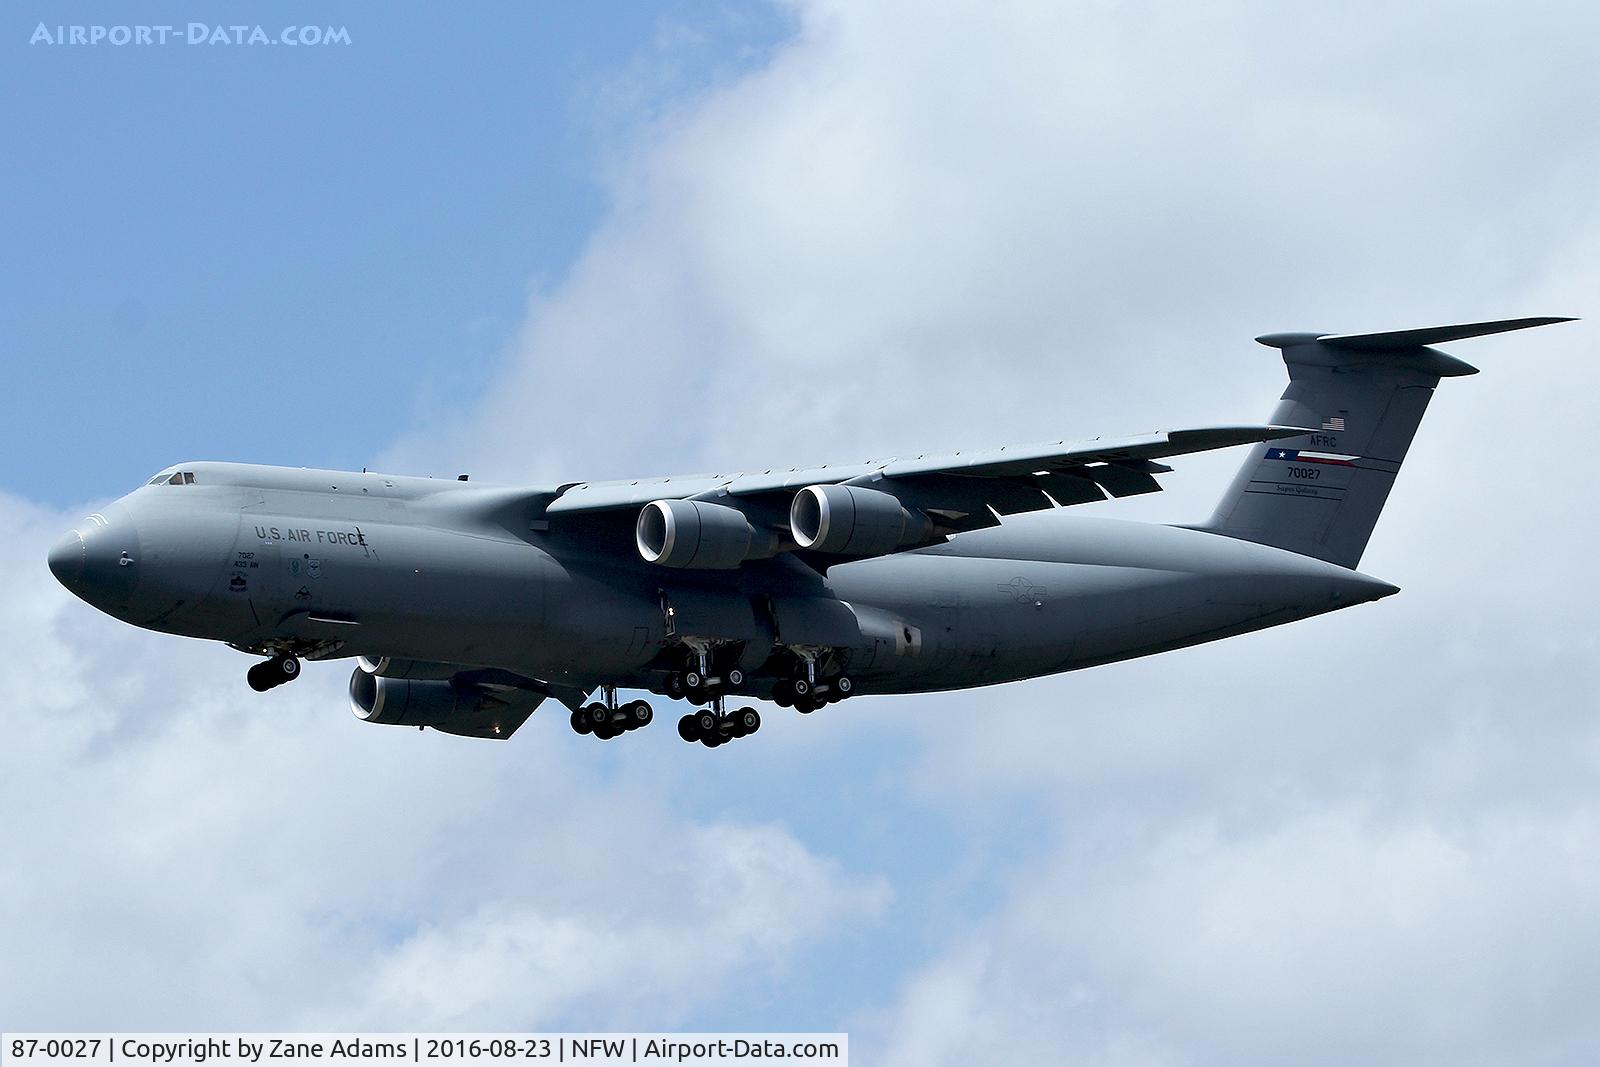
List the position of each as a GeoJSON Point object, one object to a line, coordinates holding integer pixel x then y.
{"type": "Point", "coordinates": [1336, 423]}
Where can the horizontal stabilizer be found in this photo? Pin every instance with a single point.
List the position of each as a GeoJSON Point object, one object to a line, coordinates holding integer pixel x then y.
{"type": "Point", "coordinates": [1400, 340]}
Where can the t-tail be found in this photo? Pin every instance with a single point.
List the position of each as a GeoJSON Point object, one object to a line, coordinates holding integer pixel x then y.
{"type": "Point", "coordinates": [1361, 398]}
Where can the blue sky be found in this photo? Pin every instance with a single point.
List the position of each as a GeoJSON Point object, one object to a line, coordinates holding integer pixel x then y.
{"type": "Point", "coordinates": [295, 256]}
{"type": "Point", "coordinates": [273, 254]}
{"type": "Point", "coordinates": [544, 242]}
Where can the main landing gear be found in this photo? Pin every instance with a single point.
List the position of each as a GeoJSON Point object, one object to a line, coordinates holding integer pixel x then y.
{"type": "Point", "coordinates": [702, 679]}
{"type": "Point", "coordinates": [272, 673]}
{"type": "Point", "coordinates": [607, 720]}
{"type": "Point", "coordinates": [712, 726]}
{"type": "Point", "coordinates": [806, 689]}
{"type": "Point", "coordinates": [806, 696]}
{"type": "Point", "coordinates": [706, 676]}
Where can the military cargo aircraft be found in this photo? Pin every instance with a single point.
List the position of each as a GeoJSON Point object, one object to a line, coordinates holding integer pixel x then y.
{"type": "Point", "coordinates": [465, 606]}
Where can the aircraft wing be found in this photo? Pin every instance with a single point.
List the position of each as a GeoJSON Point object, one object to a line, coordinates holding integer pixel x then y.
{"type": "Point", "coordinates": [956, 492]}
{"type": "Point", "coordinates": [1007, 468]}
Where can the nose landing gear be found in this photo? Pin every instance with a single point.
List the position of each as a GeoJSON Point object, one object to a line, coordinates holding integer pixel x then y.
{"type": "Point", "coordinates": [272, 673]}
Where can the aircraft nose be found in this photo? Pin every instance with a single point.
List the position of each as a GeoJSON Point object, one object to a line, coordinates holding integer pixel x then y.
{"type": "Point", "coordinates": [66, 559]}
{"type": "Point", "coordinates": [99, 561]}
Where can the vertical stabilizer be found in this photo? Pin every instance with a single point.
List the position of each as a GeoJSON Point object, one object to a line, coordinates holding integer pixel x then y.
{"type": "Point", "coordinates": [1364, 394]}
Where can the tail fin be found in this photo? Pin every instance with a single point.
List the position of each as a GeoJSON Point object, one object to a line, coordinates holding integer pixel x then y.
{"type": "Point", "coordinates": [1361, 396]}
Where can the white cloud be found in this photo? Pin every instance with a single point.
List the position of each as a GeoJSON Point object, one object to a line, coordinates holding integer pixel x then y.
{"type": "Point", "coordinates": [1337, 935]}
{"type": "Point", "coordinates": [1369, 836]}
{"type": "Point", "coordinates": [182, 853]}
{"type": "Point", "coordinates": [733, 901]}
{"type": "Point", "coordinates": [989, 222]}
{"type": "Point", "coordinates": [1366, 836]}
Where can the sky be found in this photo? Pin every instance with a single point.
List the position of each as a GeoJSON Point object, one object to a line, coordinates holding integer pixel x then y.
{"type": "Point", "coordinates": [538, 243]}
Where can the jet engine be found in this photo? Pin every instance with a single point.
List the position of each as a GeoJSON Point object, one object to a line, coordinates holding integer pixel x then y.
{"type": "Point", "coordinates": [404, 702]}
{"type": "Point", "coordinates": [390, 667]}
{"type": "Point", "coordinates": [694, 534]}
{"type": "Point", "coordinates": [853, 521]}
{"type": "Point", "coordinates": [465, 710]}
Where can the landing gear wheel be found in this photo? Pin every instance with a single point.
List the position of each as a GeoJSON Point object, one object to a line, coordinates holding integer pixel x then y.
{"type": "Point", "coordinates": [258, 678]}
{"type": "Point", "coordinates": [639, 714]}
{"type": "Point", "coordinates": [688, 730]}
{"type": "Point", "coordinates": [800, 688]}
{"type": "Point", "coordinates": [783, 695]}
{"type": "Point", "coordinates": [272, 673]}
{"type": "Point", "coordinates": [806, 706]}
{"type": "Point", "coordinates": [599, 717]}
{"type": "Point", "coordinates": [706, 725]}
{"type": "Point", "coordinates": [735, 677]}
{"type": "Point", "coordinates": [581, 723]}
{"type": "Point", "coordinates": [843, 686]}
{"type": "Point", "coordinates": [746, 722]}
{"type": "Point", "coordinates": [694, 684]}
{"type": "Point", "coordinates": [675, 686]}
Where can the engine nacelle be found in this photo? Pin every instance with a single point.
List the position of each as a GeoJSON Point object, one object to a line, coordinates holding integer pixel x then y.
{"type": "Point", "coordinates": [694, 534]}
{"type": "Point", "coordinates": [389, 667]}
{"type": "Point", "coordinates": [406, 702]}
{"type": "Point", "coordinates": [853, 521]}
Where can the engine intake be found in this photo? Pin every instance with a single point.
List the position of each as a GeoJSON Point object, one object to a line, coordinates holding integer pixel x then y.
{"type": "Point", "coordinates": [693, 534]}
{"type": "Point", "coordinates": [854, 521]}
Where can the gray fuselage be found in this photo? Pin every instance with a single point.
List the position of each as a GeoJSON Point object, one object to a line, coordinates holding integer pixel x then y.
{"type": "Point", "coordinates": [330, 564]}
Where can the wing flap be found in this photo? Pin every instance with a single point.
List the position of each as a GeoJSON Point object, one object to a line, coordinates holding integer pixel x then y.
{"type": "Point", "coordinates": [1066, 455]}
{"type": "Point", "coordinates": [1070, 489]}
{"type": "Point", "coordinates": [1122, 481]}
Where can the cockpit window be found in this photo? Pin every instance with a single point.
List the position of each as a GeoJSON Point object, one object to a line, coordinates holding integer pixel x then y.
{"type": "Point", "coordinates": [177, 478]}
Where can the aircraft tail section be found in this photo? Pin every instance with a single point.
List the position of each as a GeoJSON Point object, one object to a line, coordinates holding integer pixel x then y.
{"type": "Point", "coordinates": [1361, 398]}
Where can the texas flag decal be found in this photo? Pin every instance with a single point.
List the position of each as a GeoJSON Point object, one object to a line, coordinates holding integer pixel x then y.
{"type": "Point", "coordinates": [1300, 455]}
